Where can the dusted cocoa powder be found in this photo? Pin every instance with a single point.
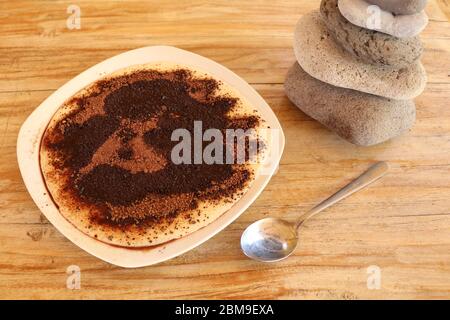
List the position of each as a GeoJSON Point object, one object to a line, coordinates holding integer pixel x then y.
{"type": "Point", "coordinates": [115, 146]}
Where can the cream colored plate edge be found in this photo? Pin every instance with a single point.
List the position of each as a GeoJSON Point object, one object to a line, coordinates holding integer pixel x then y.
{"type": "Point", "coordinates": [33, 128]}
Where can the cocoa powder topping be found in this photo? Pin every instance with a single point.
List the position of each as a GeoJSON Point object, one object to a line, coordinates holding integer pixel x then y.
{"type": "Point", "coordinates": [115, 146]}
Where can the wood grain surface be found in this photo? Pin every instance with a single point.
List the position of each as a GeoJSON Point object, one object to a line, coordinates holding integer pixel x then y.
{"type": "Point", "coordinates": [400, 224]}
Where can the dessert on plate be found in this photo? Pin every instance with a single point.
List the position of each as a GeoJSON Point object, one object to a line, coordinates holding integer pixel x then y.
{"type": "Point", "coordinates": [115, 161]}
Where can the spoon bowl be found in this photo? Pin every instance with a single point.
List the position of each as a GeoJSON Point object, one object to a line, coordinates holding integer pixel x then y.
{"type": "Point", "coordinates": [269, 240]}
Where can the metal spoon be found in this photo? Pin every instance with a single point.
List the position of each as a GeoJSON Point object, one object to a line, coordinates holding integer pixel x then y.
{"type": "Point", "coordinates": [273, 239]}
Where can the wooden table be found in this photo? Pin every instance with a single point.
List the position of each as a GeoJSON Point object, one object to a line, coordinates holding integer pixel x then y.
{"type": "Point", "coordinates": [401, 224]}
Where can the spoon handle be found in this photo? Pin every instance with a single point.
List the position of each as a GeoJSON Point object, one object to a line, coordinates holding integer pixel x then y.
{"type": "Point", "coordinates": [372, 174]}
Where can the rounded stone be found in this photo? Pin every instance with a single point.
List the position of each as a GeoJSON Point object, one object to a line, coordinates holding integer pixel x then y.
{"type": "Point", "coordinates": [321, 57]}
{"type": "Point", "coordinates": [369, 16]}
{"type": "Point", "coordinates": [368, 45]}
{"type": "Point", "coordinates": [401, 6]}
{"type": "Point", "coordinates": [359, 118]}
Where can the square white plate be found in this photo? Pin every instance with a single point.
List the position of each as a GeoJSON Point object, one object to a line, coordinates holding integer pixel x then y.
{"type": "Point", "coordinates": [31, 132]}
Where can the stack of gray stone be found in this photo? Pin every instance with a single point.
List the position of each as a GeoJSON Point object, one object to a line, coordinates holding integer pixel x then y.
{"type": "Point", "coordinates": [358, 67]}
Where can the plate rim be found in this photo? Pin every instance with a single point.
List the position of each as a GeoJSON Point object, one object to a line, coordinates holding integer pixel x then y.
{"type": "Point", "coordinates": [31, 132]}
